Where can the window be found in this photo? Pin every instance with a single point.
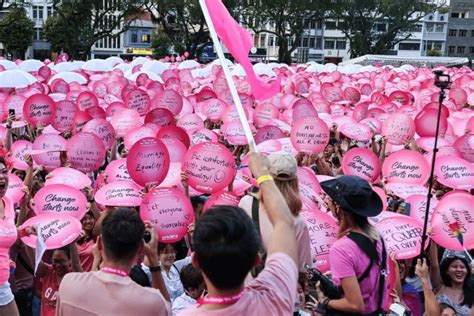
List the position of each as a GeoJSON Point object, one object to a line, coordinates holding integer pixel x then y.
{"type": "Point", "coordinates": [37, 12]}
{"type": "Point", "coordinates": [329, 44]}
{"type": "Point", "coordinates": [312, 42]}
{"type": "Point", "coordinates": [271, 41]}
{"type": "Point", "coordinates": [435, 27]}
{"type": "Point", "coordinates": [134, 38]}
{"type": "Point", "coordinates": [263, 39]}
{"type": "Point", "coordinates": [453, 32]}
{"type": "Point", "coordinates": [291, 40]}
{"type": "Point", "coordinates": [255, 40]}
{"type": "Point", "coordinates": [409, 46]}
{"type": "Point", "coordinates": [38, 34]}
{"type": "Point", "coordinates": [330, 25]}
{"type": "Point", "coordinates": [305, 42]}
{"type": "Point", "coordinates": [462, 33]}
{"type": "Point", "coordinates": [430, 17]}
{"type": "Point", "coordinates": [451, 49]}
{"type": "Point", "coordinates": [461, 49]}
{"type": "Point", "coordinates": [313, 24]}
{"type": "Point", "coordinates": [319, 43]}
{"type": "Point", "coordinates": [341, 45]}
{"type": "Point", "coordinates": [472, 50]}
{"type": "Point", "coordinates": [49, 11]}
{"type": "Point", "coordinates": [380, 27]}
{"type": "Point", "coordinates": [472, 33]}
{"type": "Point", "coordinates": [145, 38]}
{"type": "Point", "coordinates": [455, 15]}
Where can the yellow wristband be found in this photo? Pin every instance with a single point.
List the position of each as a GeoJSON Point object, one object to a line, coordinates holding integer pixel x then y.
{"type": "Point", "coordinates": [263, 179]}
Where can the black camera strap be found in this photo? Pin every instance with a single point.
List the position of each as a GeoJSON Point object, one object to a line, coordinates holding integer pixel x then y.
{"type": "Point", "coordinates": [256, 220]}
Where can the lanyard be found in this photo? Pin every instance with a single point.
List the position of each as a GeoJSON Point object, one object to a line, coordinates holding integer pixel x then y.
{"type": "Point", "coordinates": [219, 300]}
{"type": "Point", "coordinates": [115, 271]}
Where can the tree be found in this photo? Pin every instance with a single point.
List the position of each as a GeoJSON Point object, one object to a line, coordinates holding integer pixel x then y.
{"type": "Point", "coordinates": [285, 19]}
{"type": "Point", "coordinates": [78, 24]}
{"type": "Point", "coordinates": [16, 32]}
{"type": "Point", "coordinates": [376, 26]}
{"type": "Point", "coordinates": [161, 44]}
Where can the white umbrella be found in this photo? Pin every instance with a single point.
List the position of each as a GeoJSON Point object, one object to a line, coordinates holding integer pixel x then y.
{"type": "Point", "coordinates": [139, 61]}
{"type": "Point", "coordinates": [114, 61]}
{"type": "Point", "coordinates": [188, 64]}
{"type": "Point", "coordinates": [97, 65]}
{"type": "Point", "coordinates": [8, 64]}
{"type": "Point", "coordinates": [238, 71]}
{"type": "Point", "coordinates": [123, 67]}
{"type": "Point", "coordinates": [63, 67]}
{"type": "Point", "coordinates": [155, 66]}
{"type": "Point", "coordinates": [31, 65]}
{"type": "Point", "coordinates": [218, 62]}
{"type": "Point", "coordinates": [16, 79]}
{"type": "Point", "coordinates": [69, 77]}
{"type": "Point", "coordinates": [202, 72]}
{"type": "Point", "coordinates": [151, 75]}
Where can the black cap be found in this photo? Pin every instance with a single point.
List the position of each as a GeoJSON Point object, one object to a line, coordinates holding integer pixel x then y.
{"type": "Point", "coordinates": [354, 195]}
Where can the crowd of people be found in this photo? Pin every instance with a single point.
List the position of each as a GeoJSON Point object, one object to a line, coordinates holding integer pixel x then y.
{"type": "Point", "coordinates": [250, 259]}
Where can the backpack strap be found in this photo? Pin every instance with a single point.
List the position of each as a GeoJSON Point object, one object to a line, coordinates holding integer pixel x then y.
{"type": "Point", "coordinates": [369, 248]}
{"type": "Point", "coordinates": [383, 271]}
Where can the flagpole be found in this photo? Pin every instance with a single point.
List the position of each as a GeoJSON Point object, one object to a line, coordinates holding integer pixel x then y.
{"type": "Point", "coordinates": [228, 77]}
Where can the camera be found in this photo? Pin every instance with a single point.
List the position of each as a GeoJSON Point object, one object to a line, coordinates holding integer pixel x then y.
{"type": "Point", "coordinates": [328, 287]}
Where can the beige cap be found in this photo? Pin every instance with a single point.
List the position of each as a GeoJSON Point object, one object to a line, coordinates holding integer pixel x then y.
{"type": "Point", "coordinates": [282, 166]}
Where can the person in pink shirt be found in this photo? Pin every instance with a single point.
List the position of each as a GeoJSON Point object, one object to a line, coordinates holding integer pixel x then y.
{"type": "Point", "coordinates": [86, 242]}
{"type": "Point", "coordinates": [226, 245]}
{"type": "Point", "coordinates": [363, 279]}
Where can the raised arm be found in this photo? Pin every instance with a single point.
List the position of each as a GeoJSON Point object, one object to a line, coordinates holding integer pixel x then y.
{"type": "Point", "coordinates": [284, 234]}
{"type": "Point", "coordinates": [431, 305]}
{"type": "Point", "coordinates": [76, 264]}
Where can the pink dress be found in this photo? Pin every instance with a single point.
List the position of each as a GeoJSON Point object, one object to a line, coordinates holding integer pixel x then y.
{"type": "Point", "coordinates": [8, 235]}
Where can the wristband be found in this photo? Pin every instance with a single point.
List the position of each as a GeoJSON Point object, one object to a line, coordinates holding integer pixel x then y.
{"type": "Point", "coordinates": [264, 178]}
{"type": "Point", "coordinates": [155, 269]}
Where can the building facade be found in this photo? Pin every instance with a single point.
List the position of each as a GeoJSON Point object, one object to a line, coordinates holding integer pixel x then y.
{"type": "Point", "coordinates": [460, 38]}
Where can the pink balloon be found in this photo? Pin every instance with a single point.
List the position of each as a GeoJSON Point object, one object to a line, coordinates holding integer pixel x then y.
{"type": "Point", "coordinates": [19, 149]}
{"type": "Point", "coordinates": [170, 210]}
{"type": "Point", "coordinates": [80, 119]}
{"type": "Point", "coordinates": [406, 166]}
{"type": "Point", "coordinates": [402, 236]}
{"type": "Point", "coordinates": [418, 207]}
{"type": "Point", "coordinates": [39, 108]}
{"type": "Point", "coordinates": [454, 209]}
{"type": "Point", "coordinates": [264, 114]}
{"type": "Point", "coordinates": [322, 230]}
{"type": "Point", "coordinates": [310, 135]}
{"type": "Point", "coordinates": [425, 122]}
{"type": "Point", "coordinates": [190, 121]}
{"type": "Point", "coordinates": [123, 121]}
{"type": "Point", "coordinates": [64, 116]}
{"type": "Point", "coordinates": [60, 86]}
{"type": "Point", "coordinates": [221, 198]}
{"type": "Point", "coordinates": [234, 133]}
{"type": "Point", "coordinates": [240, 186]}
{"type": "Point", "coordinates": [16, 102]}
{"type": "Point", "coordinates": [53, 144]}
{"type": "Point", "coordinates": [465, 145]}
{"type": "Point", "coordinates": [213, 109]}
{"type": "Point", "coordinates": [148, 161]}
{"type": "Point", "coordinates": [117, 171]}
{"type": "Point", "coordinates": [113, 108]}
{"type": "Point", "coordinates": [174, 132]}
{"type": "Point", "coordinates": [137, 133]}
{"type": "Point", "coordinates": [303, 108]}
{"type": "Point", "coordinates": [87, 100]}
{"type": "Point", "coordinates": [307, 177]}
{"type": "Point", "coordinates": [160, 117]}
{"type": "Point", "coordinates": [86, 152]}
{"type": "Point", "coordinates": [361, 162]}
{"type": "Point", "coordinates": [170, 100]}
{"type": "Point", "coordinates": [307, 197]}
{"type": "Point", "coordinates": [68, 176]}
{"type": "Point", "coordinates": [57, 230]}
{"type": "Point", "coordinates": [398, 128]}
{"type": "Point", "coordinates": [427, 143]}
{"type": "Point", "coordinates": [210, 167]}
{"type": "Point", "coordinates": [202, 135]}
{"type": "Point", "coordinates": [60, 198]}
{"type": "Point", "coordinates": [176, 149]}
{"type": "Point", "coordinates": [268, 132]}
{"type": "Point", "coordinates": [119, 193]}
{"type": "Point", "coordinates": [173, 177]}
{"type": "Point", "coordinates": [357, 131]}
{"type": "Point", "coordinates": [15, 186]}
{"type": "Point", "coordinates": [138, 100]}
{"type": "Point", "coordinates": [44, 71]}
{"type": "Point", "coordinates": [454, 172]}
{"type": "Point", "coordinates": [102, 129]}
{"type": "Point", "coordinates": [405, 190]}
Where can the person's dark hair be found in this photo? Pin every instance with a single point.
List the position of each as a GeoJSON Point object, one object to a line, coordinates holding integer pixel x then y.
{"type": "Point", "coordinates": [122, 233]}
{"type": "Point", "coordinates": [2, 161]}
{"type": "Point", "coordinates": [196, 200]}
{"type": "Point", "coordinates": [64, 250]}
{"type": "Point", "coordinates": [226, 244]}
{"type": "Point", "coordinates": [467, 286]}
{"type": "Point", "coordinates": [162, 247]}
{"type": "Point", "coordinates": [191, 277]}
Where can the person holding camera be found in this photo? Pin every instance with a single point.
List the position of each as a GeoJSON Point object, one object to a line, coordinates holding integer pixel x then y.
{"type": "Point", "coordinates": [111, 291]}
{"type": "Point", "coordinates": [358, 258]}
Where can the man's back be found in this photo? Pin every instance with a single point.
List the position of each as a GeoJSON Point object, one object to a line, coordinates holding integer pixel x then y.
{"type": "Point", "coordinates": [100, 293]}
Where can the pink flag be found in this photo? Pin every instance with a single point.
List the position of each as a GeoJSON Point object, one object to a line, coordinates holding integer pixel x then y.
{"type": "Point", "coordinates": [239, 42]}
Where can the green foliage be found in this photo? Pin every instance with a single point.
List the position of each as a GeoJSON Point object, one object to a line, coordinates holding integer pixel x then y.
{"type": "Point", "coordinates": [161, 44]}
{"type": "Point", "coordinates": [433, 53]}
{"type": "Point", "coordinates": [360, 19]}
{"type": "Point", "coordinates": [78, 24]}
{"type": "Point", "coordinates": [443, 10]}
{"type": "Point", "coordinates": [16, 31]}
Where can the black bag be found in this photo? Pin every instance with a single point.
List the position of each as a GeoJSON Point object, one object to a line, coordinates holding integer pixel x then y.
{"type": "Point", "coordinates": [262, 252]}
{"type": "Point", "coordinates": [370, 249]}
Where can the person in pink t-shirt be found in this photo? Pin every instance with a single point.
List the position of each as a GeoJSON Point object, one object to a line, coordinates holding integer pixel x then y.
{"type": "Point", "coordinates": [226, 245]}
{"type": "Point", "coordinates": [363, 280]}
{"type": "Point", "coordinates": [86, 242]}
